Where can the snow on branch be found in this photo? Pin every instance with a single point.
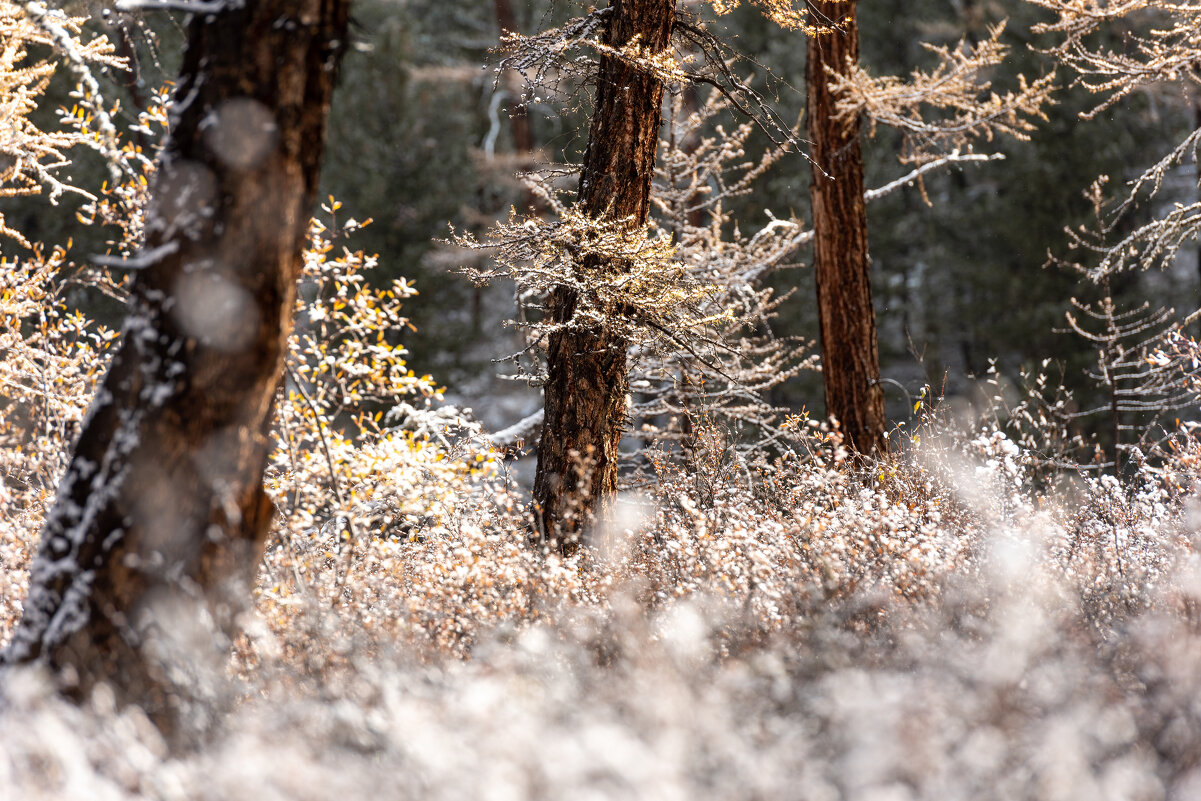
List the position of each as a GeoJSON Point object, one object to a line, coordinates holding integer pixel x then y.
{"type": "Point", "coordinates": [189, 6]}
{"type": "Point", "coordinates": [955, 157]}
{"type": "Point", "coordinates": [63, 34]}
{"type": "Point", "coordinates": [801, 236]}
{"type": "Point", "coordinates": [1156, 43]}
{"type": "Point", "coordinates": [1145, 44]}
{"type": "Point", "coordinates": [545, 59]}
{"type": "Point", "coordinates": [524, 430]}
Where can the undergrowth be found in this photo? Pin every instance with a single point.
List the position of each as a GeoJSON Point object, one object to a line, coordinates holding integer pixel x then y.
{"type": "Point", "coordinates": [945, 622]}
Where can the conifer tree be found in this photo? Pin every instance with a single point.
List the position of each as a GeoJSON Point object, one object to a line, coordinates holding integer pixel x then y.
{"type": "Point", "coordinates": [940, 113]}
{"type": "Point", "coordinates": [850, 354]}
{"type": "Point", "coordinates": [1145, 362]}
{"type": "Point", "coordinates": [161, 517]}
{"type": "Point", "coordinates": [615, 283]}
{"type": "Point", "coordinates": [587, 381]}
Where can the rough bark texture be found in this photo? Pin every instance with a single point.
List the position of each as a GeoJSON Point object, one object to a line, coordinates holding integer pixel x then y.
{"type": "Point", "coordinates": [159, 523]}
{"type": "Point", "coordinates": [585, 393]}
{"type": "Point", "coordinates": [850, 355]}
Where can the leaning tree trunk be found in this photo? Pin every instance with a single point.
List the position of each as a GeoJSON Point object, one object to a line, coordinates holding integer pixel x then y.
{"type": "Point", "coordinates": [850, 355]}
{"type": "Point", "coordinates": [588, 380]}
{"type": "Point", "coordinates": [161, 518]}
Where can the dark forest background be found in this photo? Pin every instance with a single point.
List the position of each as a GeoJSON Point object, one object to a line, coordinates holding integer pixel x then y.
{"type": "Point", "coordinates": [420, 140]}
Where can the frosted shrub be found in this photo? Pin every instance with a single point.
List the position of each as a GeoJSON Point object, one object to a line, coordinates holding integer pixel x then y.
{"type": "Point", "coordinates": [806, 527]}
{"type": "Point", "coordinates": [829, 630]}
{"type": "Point", "coordinates": [397, 521]}
{"type": "Point", "coordinates": [943, 623]}
{"type": "Point", "coordinates": [811, 626]}
{"type": "Point", "coordinates": [51, 362]}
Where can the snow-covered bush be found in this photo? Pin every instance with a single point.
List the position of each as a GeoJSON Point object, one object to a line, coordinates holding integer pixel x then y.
{"type": "Point", "coordinates": [814, 627]}
{"type": "Point", "coordinates": [944, 623]}
{"type": "Point", "coordinates": [963, 619]}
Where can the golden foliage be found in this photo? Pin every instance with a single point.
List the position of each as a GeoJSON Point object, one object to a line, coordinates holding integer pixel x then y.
{"type": "Point", "coordinates": [345, 364]}
{"type": "Point", "coordinates": [1159, 42]}
{"type": "Point", "coordinates": [627, 278]}
{"type": "Point", "coordinates": [786, 14]}
{"type": "Point", "coordinates": [123, 205]}
{"type": "Point", "coordinates": [947, 107]}
{"type": "Point", "coordinates": [365, 465]}
{"type": "Point", "coordinates": [30, 158]}
{"type": "Point", "coordinates": [665, 64]}
{"type": "Point", "coordinates": [52, 360]}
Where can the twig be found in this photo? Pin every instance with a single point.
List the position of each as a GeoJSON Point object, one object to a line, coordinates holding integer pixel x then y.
{"type": "Point", "coordinates": [333, 474]}
{"type": "Point", "coordinates": [955, 157]}
{"type": "Point", "coordinates": [92, 97]}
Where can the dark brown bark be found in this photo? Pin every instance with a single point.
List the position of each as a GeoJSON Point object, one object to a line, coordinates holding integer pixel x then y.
{"type": "Point", "coordinates": [850, 355]}
{"type": "Point", "coordinates": [585, 393]}
{"type": "Point", "coordinates": [161, 518]}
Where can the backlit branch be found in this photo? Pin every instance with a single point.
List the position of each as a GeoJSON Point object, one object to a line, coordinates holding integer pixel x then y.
{"type": "Point", "coordinates": [948, 107]}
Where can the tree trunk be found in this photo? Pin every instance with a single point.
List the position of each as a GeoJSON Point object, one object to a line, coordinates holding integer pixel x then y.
{"type": "Point", "coordinates": [161, 518]}
{"type": "Point", "coordinates": [585, 393]}
{"type": "Point", "coordinates": [850, 355]}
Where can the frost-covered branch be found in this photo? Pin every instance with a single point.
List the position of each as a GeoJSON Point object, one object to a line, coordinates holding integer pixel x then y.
{"type": "Point", "coordinates": [524, 430]}
{"type": "Point", "coordinates": [79, 56]}
{"type": "Point", "coordinates": [1147, 43]}
{"type": "Point", "coordinates": [949, 106]}
{"type": "Point", "coordinates": [916, 174]}
{"type": "Point", "coordinates": [188, 6]}
{"type": "Point", "coordinates": [546, 59]}
{"type": "Point", "coordinates": [1157, 42]}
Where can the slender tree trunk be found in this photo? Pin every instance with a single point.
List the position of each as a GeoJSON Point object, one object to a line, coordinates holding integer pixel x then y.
{"type": "Point", "coordinates": [161, 518]}
{"type": "Point", "coordinates": [585, 393]}
{"type": "Point", "coordinates": [850, 355]}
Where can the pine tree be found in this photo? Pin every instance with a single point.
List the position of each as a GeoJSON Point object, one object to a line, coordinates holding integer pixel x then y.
{"type": "Point", "coordinates": [161, 518]}
{"type": "Point", "coordinates": [616, 282]}
{"type": "Point", "coordinates": [850, 353]}
{"type": "Point", "coordinates": [588, 380]}
{"type": "Point", "coordinates": [940, 113]}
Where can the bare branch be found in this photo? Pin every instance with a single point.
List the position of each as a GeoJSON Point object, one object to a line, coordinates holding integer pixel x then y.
{"type": "Point", "coordinates": [954, 157]}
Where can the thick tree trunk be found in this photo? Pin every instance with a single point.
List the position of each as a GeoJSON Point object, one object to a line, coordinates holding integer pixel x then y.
{"type": "Point", "coordinates": [161, 518]}
{"type": "Point", "coordinates": [585, 393]}
{"type": "Point", "coordinates": [850, 355]}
